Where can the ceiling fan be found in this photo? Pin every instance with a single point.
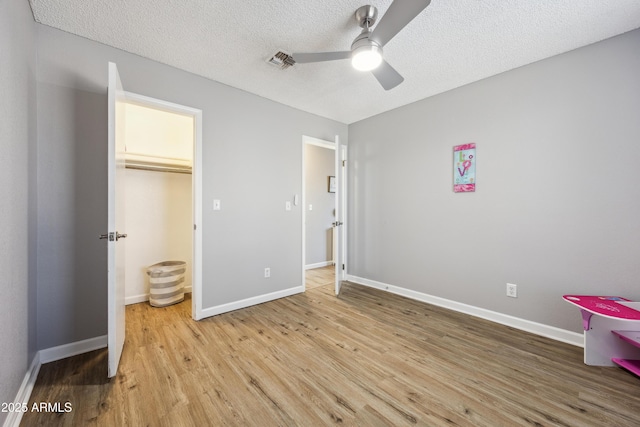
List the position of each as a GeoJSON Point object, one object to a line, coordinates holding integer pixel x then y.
{"type": "Point", "coordinates": [366, 49]}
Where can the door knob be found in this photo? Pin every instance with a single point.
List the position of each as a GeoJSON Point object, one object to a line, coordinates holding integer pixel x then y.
{"type": "Point", "coordinates": [113, 236]}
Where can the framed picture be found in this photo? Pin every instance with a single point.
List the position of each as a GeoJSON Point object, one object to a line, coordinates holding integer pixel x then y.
{"type": "Point", "coordinates": [332, 184]}
{"type": "Point", "coordinates": [464, 168]}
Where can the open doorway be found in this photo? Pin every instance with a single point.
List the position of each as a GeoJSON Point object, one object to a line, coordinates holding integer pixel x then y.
{"type": "Point", "coordinates": [322, 251]}
{"type": "Point", "coordinates": [161, 177]}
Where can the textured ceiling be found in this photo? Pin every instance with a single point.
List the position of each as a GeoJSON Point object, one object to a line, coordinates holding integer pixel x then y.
{"type": "Point", "coordinates": [450, 44]}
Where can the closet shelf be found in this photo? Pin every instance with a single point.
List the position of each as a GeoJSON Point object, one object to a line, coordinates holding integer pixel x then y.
{"type": "Point", "coordinates": [157, 163]}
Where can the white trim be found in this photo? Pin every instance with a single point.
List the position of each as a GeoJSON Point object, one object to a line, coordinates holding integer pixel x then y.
{"type": "Point", "coordinates": [24, 392]}
{"type": "Point", "coordinates": [318, 265]}
{"type": "Point", "coordinates": [72, 349]}
{"type": "Point", "coordinates": [170, 107]}
{"type": "Point", "coordinates": [547, 331]}
{"type": "Point", "coordinates": [337, 230]}
{"type": "Point", "coordinates": [45, 356]}
{"type": "Point", "coordinates": [248, 302]}
{"type": "Point", "coordinates": [196, 185]}
{"type": "Point", "coordinates": [136, 299]}
{"type": "Point", "coordinates": [196, 268]}
{"type": "Point", "coordinates": [318, 142]}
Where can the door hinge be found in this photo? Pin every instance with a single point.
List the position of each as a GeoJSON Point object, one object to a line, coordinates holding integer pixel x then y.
{"type": "Point", "coordinates": [342, 267]}
{"type": "Point", "coordinates": [195, 227]}
{"type": "Point", "coordinates": [344, 163]}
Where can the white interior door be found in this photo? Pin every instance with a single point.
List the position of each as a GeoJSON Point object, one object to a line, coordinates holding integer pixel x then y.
{"type": "Point", "coordinates": [338, 230]}
{"type": "Point", "coordinates": [116, 216]}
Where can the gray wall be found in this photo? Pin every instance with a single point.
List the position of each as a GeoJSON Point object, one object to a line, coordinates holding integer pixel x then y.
{"type": "Point", "coordinates": [71, 213]}
{"type": "Point", "coordinates": [251, 162]}
{"type": "Point", "coordinates": [319, 164]}
{"type": "Point", "coordinates": [557, 202]}
{"type": "Point", "coordinates": [17, 153]}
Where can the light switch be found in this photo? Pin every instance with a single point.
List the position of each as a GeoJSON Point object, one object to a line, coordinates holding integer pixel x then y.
{"type": "Point", "coordinates": [310, 207]}
{"type": "Point", "coordinates": [287, 206]}
{"type": "Point", "coordinates": [216, 205]}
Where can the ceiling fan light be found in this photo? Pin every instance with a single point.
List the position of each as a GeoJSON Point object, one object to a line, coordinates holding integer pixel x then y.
{"type": "Point", "coordinates": [366, 58]}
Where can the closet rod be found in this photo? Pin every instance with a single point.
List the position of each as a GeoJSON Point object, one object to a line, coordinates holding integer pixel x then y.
{"type": "Point", "coordinates": [159, 168]}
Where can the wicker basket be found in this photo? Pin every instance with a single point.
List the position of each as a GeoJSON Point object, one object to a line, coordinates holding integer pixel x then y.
{"type": "Point", "coordinates": [166, 283]}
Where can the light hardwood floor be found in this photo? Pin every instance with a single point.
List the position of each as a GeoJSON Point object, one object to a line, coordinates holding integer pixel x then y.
{"type": "Point", "coordinates": [320, 277]}
{"type": "Point", "coordinates": [365, 358]}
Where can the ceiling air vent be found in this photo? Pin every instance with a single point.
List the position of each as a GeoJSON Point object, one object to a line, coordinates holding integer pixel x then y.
{"type": "Point", "coordinates": [281, 60]}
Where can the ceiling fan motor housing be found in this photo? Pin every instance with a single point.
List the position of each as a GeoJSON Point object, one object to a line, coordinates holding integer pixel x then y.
{"type": "Point", "coordinates": [364, 40]}
{"type": "Point", "coordinates": [365, 53]}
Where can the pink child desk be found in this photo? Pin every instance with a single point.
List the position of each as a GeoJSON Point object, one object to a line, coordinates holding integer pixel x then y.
{"type": "Point", "coordinates": [611, 330]}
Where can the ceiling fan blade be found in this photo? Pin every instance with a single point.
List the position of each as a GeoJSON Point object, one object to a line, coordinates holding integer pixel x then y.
{"type": "Point", "coordinates": [302, 58]}
{"type": "Point", "coordinates": [399, 14]}
{"type": "Point", "coordinates": [387, 76]}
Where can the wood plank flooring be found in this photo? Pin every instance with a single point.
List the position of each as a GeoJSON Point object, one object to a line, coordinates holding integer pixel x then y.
{"type": "Point", "coordinates": [365, 358]}
{"type": "Point", "coordinates": [320, 277]}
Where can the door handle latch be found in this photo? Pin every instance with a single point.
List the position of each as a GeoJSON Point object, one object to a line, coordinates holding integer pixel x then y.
{"type": "Point", "coordinates": [113, 236]}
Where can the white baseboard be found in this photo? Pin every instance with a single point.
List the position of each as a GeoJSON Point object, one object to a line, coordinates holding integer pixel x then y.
{"type": "Point", "coordinates": [224, 308]}
{"type": "Point", "coordinates": [552, 332]}
{"type": "Point", "coordinates": [135, 299]}
{"type": "Point", "coordinates": [67, 350]}
{"type": "Point", "coordinates": [72, 349]}
{"type": "Point", "coordinates": [318, 265]}
{"type": "Point", "coordinates": [45, 356]}
{"type": "Point", "coordinates": [24, 392]}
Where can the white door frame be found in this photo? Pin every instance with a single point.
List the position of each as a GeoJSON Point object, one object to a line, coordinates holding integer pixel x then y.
{"type": "Point", "coordinates": [196, 187]}
{"type": "Point", "coordinates": [308, 140]}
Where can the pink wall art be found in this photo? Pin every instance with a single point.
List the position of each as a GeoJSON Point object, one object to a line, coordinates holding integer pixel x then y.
{"type": "Point", "coordinates": [464, 168]}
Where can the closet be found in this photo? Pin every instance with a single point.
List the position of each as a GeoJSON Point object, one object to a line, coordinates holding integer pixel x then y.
{"type": "Point", "coordinates": [159, 196]}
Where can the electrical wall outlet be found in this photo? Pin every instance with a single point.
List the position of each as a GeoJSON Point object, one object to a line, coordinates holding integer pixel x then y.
{"type": "Point", "coordinates": [267, 272]}
{"type": "Point", "coordinates": [512, 290]}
